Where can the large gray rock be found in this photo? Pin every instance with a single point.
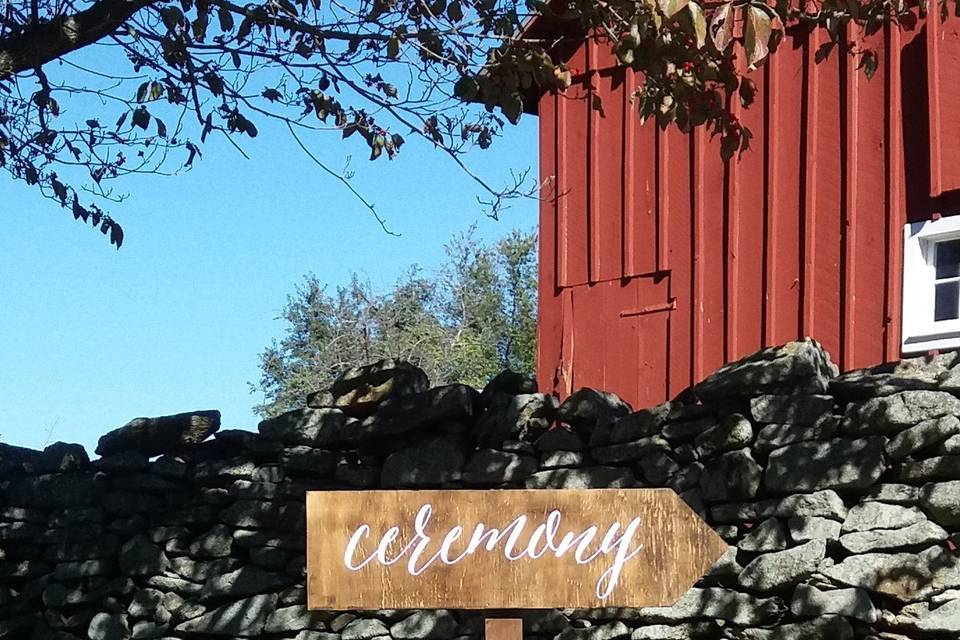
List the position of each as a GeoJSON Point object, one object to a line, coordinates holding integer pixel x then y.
{"type": "Point", "coordinates": [364, 629]}
{"type": "Point", "coordinates": [586, 478]}
{"type": "Point", "coordinates": [70, 570]}
{"type": "Point", "coordinates": [804, 409]}
{"type": "Point", "coordinates": [737, 512]}
{"type": "Point", "coordinates": [801, 366]}
{"type": "Point", "coordinates": [891, 414]}
{"type": "Point", "coordinates": [12, 459]}
{"type": "Point", "coordinates": [102, 546]}
{"type": "Point", "coordinates": [640, 424]}
{"type": "Point", "coordinates": [450, 403]}
{"type": "Point", "coordinates": [235, 468]}
{"type": "Point", "coordinates": [835, 464]}
{"type": "Point", "coordinates": [878, 515]}
{"type": "Point", "coordinates": [561, 459]}
{"type": "Point", "coordinates": [19, 626]}
{"type": "Point", "coordinates": [720, 604]}
{"type": "Point", "coordinates": [61, 457]}
{"type": "Point", "coordinates": [197, 571]}
{"type": "Point", "coordinates": [689, 631]}
{"type": "Point", "coordinates": [685, 429]}
{"type": "Point", "coordinates": [627, 451]}
{"type": "Point", "coordinates": [490, 466]}
{"type": "Point", "coordinates": [58, 594]}
{"type": "Point", "coordinates": [287, 542]}
{"type": "Point", "coordinates": [340, 621]}
{"type": "Point", "coordinates": [21, 514]}
{"type": "Point", "coordinates": [609, 631]}
{"type": "Point", "coordinates": [173, 584]}
{"type": "Point", "coordinates": [245, 618]}
{"type": "Point", "coordinates": [806, 528]}
{"type": "Point", "coordinates": [510, 383]}
{"type": "Point", "coordinates": [772, 571]}
{"type": "Point", "coordinates": [894, 493]}
{"type": "Point", "coordinates": [295, 618]}
{"type": "Point", "coordinates": [308, 634]}
{"type": "Point", "coordinates": [922, 372]}
{"type": "Point", "coordinates": [245, 581]}
{"type": "Point", "coordinates": [17, 531]}
{"type": "Point", "coordinates": [774, 436]}
{"type": "Point", "coordinates": [920, 534]}
{"type": "Point", "coordinates": [255, 514]}
{"type": "Point", "coordinates": [944, 619]}
{"type": "Point", "coordinates": [820, 504]}
{"type": "Point", "coordinates": [826, 628]}
{"type": "Point", "coordinates": [907, 577]}
{"type": "Point", "coordinates": [436, 624]}
{"type": "Point", "coordinates": [559, 439]}
{"type": "Point", "coordinates": [304, 459]}
{"type": "Point", "coordinates": [684, 478]}
{"type": "Point", "coordinates": [108, 626]}
{"type": "Point", "coordinates": [166, 434]}
{"type": "Point", "coordinates": [810, 602]}
{"type": "Point", "coordinates": [128, 503]}
{"type": "Point", "coordinates": [950, 446]}
{"type": "Point", "coordinates": [922, 436]}
{"type": "Point", "coordinates": [939, 468]}
{"type": "Point", "coordinates": [769, 535]}
{"type": "Point", "coordinates": [515, 417]}
{"type": "Point", "coordinates": [310, 427]}
{"type": "Point", "coordinates": [543, 621]}
{"type": "Point", "coordinates": [140, 557]}
{"type": "Point", "coordinates": [169, 467]}
{"type": "Point", "coordinates": [124, 461]}
{"type": "Point", "coordinates": [658, 469]}
{"type": "Point", "coordinates": [54, 491]}
{"type": "Point", "coordinates": [362, 388]}
{"type": "Point", "coordinates": [593, 413]}
{"type": "Point", "coordinates": [942, 501]}
{"type": "Point", "coordinates": [733, 432]}
{"type": "Point", "coordinates": [432, 463]}
{"type": "Point", "coordinates": [145, 603]}
{"type": "Point", "coordinates": [735, 475]}
{"type": "Point", "coordinates": [215, 543]}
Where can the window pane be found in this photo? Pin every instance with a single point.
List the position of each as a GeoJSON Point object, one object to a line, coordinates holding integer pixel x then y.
{"type": "Point", "coordinates": [946, 302]}
{"type": "Point", "coordinates": [948, 259]}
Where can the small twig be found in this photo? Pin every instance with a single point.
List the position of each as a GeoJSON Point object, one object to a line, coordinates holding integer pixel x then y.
{"type": "Point", "coordinates": [50, 432]}
{"type": "Point", "coordinates": [359, 196]}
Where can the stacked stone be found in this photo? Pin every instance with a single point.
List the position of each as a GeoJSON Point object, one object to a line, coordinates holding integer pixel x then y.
{"type": "Point", "coordinates": [839, 496]}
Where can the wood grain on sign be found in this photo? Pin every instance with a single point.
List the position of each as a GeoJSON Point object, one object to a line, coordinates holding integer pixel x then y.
{"type": "Point", "coordinates": [396, 565]}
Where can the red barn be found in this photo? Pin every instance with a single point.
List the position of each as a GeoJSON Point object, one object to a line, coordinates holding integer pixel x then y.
{"type": "Point", "coordinates": [659, 262]}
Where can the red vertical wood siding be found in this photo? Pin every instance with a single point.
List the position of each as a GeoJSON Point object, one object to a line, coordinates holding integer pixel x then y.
{"type": "Point", "coordinates": [943, 57]}
{"type": "Point", "coordinates": [660, 262]}
{"type": "Point", "coordinates": [677, 195]}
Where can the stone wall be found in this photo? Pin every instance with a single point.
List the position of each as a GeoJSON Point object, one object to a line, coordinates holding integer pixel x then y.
{"type": "Point", "coordinates": [840, 497]}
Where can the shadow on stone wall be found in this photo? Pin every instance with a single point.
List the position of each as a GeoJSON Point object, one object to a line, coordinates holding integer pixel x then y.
{"type": "Point", "coordinates": [839, 496]}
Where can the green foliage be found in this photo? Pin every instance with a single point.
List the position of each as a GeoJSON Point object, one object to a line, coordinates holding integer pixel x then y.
{"type": "Point", "coordinates": [372, 73]}
{"type": "Point", "coordinates": [475, 317]}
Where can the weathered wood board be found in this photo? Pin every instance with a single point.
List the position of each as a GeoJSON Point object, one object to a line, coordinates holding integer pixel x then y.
{"type": "Point", "coordinates": [523, 549]}
{"type": "Point", "coordinates": [503, 629]}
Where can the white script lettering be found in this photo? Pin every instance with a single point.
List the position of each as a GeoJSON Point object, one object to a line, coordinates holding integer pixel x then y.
{"type": "Point", "coordinates": [617, 540]}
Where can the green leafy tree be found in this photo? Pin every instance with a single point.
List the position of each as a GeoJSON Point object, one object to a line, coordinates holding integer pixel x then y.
{"type": "Point", "coordinates": [92, 91]}
{"type": "Point", "coordinates": [475, 317]}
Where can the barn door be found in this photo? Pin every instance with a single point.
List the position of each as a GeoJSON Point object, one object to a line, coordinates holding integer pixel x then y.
{"type": "Point", "coordinates": [614, 337]}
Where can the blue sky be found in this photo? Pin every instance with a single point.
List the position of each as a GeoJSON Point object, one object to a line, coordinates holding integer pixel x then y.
{"type": "Point", "coordinates": [91, 337]}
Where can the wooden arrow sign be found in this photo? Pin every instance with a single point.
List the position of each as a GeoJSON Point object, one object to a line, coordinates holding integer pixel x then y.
{"type": "Point", "coordinates": [529, 549]}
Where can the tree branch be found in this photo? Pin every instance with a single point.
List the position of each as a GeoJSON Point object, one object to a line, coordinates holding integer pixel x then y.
{"type": "Point", "coordinates": [43, 42]}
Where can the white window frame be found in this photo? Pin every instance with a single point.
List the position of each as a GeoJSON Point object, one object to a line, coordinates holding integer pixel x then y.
{"type": "Point", "coordinates": [920, 332]}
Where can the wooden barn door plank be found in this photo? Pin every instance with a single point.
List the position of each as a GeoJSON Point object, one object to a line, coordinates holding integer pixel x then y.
{"type": "Point", "coordinates": [549, 313]}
